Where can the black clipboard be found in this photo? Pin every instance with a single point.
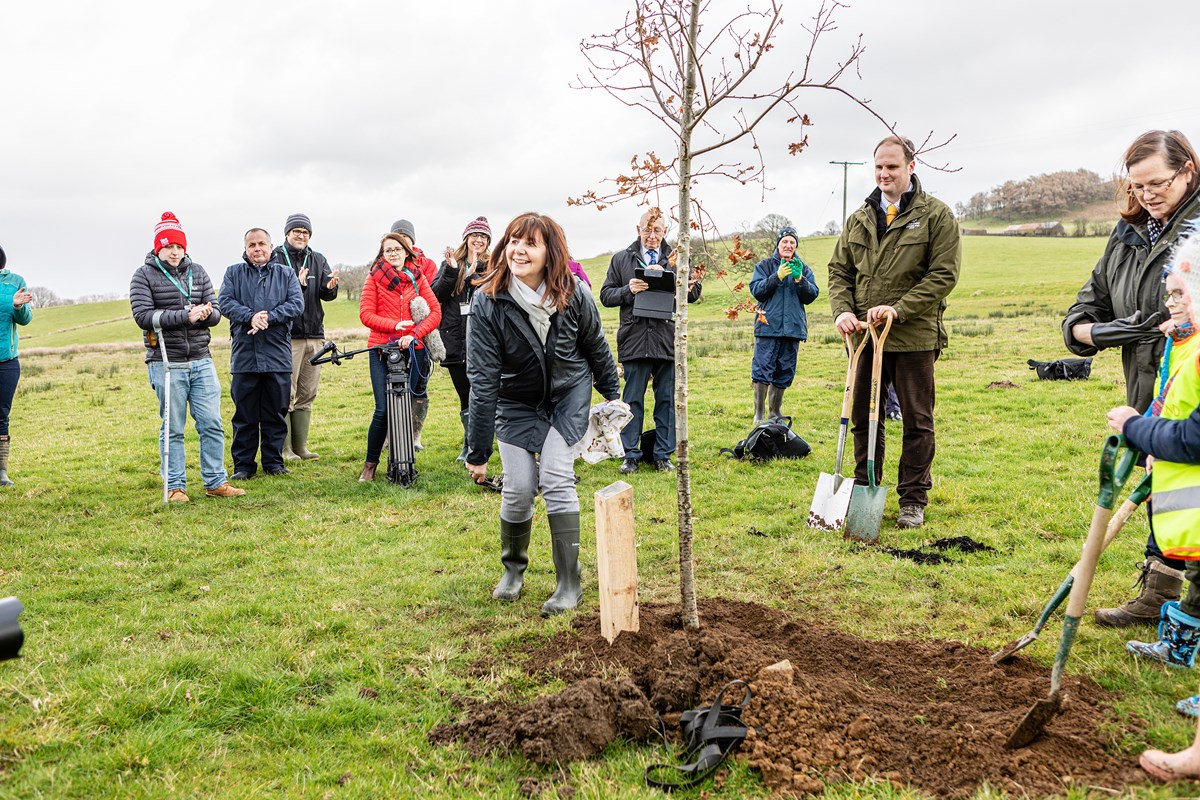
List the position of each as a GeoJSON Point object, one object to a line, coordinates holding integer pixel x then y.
{"type": "Point", "coordinates": [657, 302]}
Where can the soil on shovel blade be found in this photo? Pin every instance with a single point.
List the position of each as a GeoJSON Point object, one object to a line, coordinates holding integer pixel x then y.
{"type": "Point", "coordinates": [929, 714]}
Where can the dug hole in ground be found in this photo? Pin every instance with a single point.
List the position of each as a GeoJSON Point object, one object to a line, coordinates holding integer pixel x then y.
{"type": "Point", "coordinates": [933, 715]}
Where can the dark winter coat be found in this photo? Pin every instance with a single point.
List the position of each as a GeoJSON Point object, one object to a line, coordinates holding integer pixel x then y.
{"type": "Point", "coordinates": [150, 290]}
{"type": "Point", "coordinates": [639, 337]}
{"type": "Point", "coordinates": [913, 268]}
{"type": "Point", "coordinates": [246, 290]}
{"type": "Point", "coordinates": [781, 302]}
{"type": "Point", "coordinates": [520, 388]}
{"type": "Point", "coordinates": [1126, 279]}
{"type": "Point", "coordinates": [310, 324]}
{"type": "Point", "coordinates": [454, 322]}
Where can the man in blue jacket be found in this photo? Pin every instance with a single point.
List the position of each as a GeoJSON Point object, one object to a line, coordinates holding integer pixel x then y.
{"type": "Point", "coordinates": [260, 298]}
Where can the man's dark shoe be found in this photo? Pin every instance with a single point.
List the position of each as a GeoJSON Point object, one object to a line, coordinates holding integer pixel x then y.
{"type": "Point", "coordinates": [629, 466]}
{"type": "Point", "coordinates": [664, 465]}
{"type": "Point", "coordinates": [911, 517]}
{"type": "Point", "coordinates": [279, 471]}
{"type": "Point", "coordinates": [241, 475]}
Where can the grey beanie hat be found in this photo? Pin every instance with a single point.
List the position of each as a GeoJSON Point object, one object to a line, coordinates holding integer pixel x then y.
{"type": "Point", "coordinates": [405, 228]}
{"type": "Point", "coordinates": [297, 221]}
{"type": "Point", "coordinates": [3, 258]}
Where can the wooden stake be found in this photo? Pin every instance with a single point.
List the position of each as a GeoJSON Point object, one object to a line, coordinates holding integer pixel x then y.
{"type": "Point", "coordinates": [616, 560]}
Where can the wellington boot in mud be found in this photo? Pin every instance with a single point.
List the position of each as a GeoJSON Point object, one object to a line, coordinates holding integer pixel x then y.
{"type": "Point", "coordinates": [420, 408]}
{"type": "Point", "coordinates": [1178, 638]}
{"type": "Point", "coordinates": [301, 420]}
{"type": "Point", "coordinates": [514, 555]}
{"type": "Point", "coordinates": [760, 402]}
{"type": "Point", "coordinates": [465, 416]}
{"type": "Point", "coordinates": [564, 546]}
{"type": "Point", "coordinates": [1159, 583]}
{"type": "Point", "coordinates": [4, 449]}
{"type": "Point", "coordinates": [775, 402]}
{"type": "Point", "coordinates": [288, 453]}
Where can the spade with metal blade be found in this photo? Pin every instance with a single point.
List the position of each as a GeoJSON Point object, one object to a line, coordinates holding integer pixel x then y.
{"type": "Point", "coordinates": [865, 514]}
{"type": "Point", "coordinates": [1135, 499]}
{"type": "Point", "coordinates": [832, 497]}
{"type": "Point", "coordinates": [1112, 477]}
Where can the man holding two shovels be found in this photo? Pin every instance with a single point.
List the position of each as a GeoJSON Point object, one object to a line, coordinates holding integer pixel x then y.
{"type": "Point", "coordinates": [899, 257]}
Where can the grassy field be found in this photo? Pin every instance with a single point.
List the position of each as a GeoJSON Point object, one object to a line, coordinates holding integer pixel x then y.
{"type": "Point", "coordinates": [301, 641]}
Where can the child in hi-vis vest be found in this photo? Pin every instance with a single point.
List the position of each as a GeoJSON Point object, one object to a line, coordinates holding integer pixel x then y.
{"type": "Point", "coordinates": [1169, 435]}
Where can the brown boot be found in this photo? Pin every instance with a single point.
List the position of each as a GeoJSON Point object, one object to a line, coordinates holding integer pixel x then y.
{"type": "Point", "coordinates": [1159, 584]}
{"type": "Point", "coordinates": [368, 473]}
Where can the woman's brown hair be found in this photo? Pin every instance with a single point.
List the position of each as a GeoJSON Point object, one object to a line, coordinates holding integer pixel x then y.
{"type": "Point", "coordinates": [460, 258]}
{"type": "Point", "coordinates": [1175, 149]}
{"type": "Point", "coordinates": [398, 239]}
{"type": "Point", "coordinates": [560, 281]}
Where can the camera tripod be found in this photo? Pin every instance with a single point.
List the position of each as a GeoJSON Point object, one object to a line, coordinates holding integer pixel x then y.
{"type": "Point", "coordinates": [401, 468]}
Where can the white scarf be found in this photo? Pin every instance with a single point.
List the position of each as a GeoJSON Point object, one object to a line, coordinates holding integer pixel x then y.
{"type": "Point", "coordinates": [535, 305]}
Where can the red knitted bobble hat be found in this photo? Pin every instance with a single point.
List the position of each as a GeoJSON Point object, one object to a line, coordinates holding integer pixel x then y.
{"type": "Point", "coordinates": [479, 225]}
{"type": "Point", "coordinates": [168, 231]}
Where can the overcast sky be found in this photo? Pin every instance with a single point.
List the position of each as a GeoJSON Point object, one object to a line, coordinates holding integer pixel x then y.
{"type": "Point", "coordinates": [236, 114]}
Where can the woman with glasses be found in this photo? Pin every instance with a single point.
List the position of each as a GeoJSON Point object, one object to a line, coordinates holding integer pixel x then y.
{"type": "Point", "coordinates": [454, 287]}
{"type": "Point", "coordinates": [1121, 305]}
{"type": "Point", "coordinates": [537, 349]}
{"type": "Point", "coordinates": [393, 285]}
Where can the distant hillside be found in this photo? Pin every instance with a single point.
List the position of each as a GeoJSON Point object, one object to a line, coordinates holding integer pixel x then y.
{"type": "Point", "coordinates": [1064, 196]}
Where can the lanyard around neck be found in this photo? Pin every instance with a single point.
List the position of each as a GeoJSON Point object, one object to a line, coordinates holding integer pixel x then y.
{"type": "Point", "coordinates": [288, 258]}
{"type": "Point", "coordinates": [187, 294]}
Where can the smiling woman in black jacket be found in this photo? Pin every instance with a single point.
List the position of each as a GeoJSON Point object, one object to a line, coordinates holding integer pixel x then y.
{"type": "Point", "coordinates": [536, 349]}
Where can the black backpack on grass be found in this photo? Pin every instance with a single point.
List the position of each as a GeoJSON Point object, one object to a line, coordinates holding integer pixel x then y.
{"type": "Point", "coordinates": [773, 438]}
{"type": "Point", "coordinates": [1065, 369]}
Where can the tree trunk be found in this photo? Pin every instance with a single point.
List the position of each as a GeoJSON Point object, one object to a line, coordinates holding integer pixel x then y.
{"type": "Point", "coordinates": [687, 572]}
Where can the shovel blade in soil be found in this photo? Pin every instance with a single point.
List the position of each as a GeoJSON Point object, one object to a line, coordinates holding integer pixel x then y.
{"type": "Point", "coordinates": [1035, 721]}
{"type": "Point", "coordinates": [830, 502]}
{"type": "Point", "coordinates": [1009, 650]}
{"type": "Point", "coordinates": [865, 515]}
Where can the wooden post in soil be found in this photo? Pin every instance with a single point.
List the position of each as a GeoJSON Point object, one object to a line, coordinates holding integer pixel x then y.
{"type": "Point", "coordinates": [616, 560]}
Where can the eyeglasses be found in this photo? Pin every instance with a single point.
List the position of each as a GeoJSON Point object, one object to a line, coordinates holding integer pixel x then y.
{"type": "Point", "coordinates": [1173, 296]}
{"type": "Point", "coordinates": [1155, 188]}
{"type": "Point", "coordinates": [391, 251]}
{"type": "Point", "coordinates": [477, 236]}
{"type": "Point", "coordinates": [654, 231]}
{"type": "Point", "coordinates": [299, 232]}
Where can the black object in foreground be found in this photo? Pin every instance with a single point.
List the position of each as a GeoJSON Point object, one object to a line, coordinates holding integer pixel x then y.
{"type": "Point", "coordinates": [11, 635]}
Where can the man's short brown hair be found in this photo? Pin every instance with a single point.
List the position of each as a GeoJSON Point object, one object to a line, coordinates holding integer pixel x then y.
{"type": "Point", "coordinates": [905, 144]}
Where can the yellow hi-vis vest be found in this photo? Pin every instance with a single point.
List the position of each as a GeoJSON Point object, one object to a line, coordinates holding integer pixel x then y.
{"type": "Point", "coordinates": [1175, 498]}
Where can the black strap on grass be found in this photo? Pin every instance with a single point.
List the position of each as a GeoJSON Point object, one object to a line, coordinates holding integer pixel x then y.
{"type": "Point", "coordinates": [710, 734]}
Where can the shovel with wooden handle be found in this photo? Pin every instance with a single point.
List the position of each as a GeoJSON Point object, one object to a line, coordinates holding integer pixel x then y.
{"type": "Point", "coordinates": [832, 497]}
{"type": "Point", "coordinates": [865, 514]}
{"type": "Point", "coordinates": [1112, 477]}
{"type": "Point", "coordinates": [1135, 499]}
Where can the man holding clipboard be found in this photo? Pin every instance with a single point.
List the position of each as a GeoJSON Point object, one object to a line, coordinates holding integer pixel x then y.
{"type": "Point", "coordinates": [641, 282]}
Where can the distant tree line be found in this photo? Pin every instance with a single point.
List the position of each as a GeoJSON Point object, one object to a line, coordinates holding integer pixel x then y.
{"type": "Point", "coordinates": [1038, 196]}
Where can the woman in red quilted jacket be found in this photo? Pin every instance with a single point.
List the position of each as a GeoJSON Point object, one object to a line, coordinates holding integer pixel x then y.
{"type": "Point", "coordinates": [386, 308]}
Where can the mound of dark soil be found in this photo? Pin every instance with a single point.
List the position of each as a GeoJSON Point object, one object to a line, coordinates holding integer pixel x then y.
{"type": "Point", "coordinates": [932, 714]}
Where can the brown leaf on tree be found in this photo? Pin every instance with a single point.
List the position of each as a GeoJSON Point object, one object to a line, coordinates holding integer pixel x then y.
{"type": "Point", "coordinates": [731, 313]}
{"type": "Point", "coordinates": [737, 287]}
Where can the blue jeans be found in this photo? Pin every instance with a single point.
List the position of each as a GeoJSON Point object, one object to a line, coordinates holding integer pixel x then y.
{"type": "Point", "coordinates": [638, 373]}
{"type": "Point", "coordinates": [193, 384]}
{"type": "Point", "coordinates": [10, 373]}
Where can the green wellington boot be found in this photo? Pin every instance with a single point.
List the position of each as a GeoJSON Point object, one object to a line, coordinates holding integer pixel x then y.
{"type": "Point", "coordinates": [465, 416]}
{"type": "Point", "coordinates": [4, 449]}
{"type": "Point", "coordinates": [564, 544]}
{"type": "Point", "coordinates": [288, 453]}
{"type": "Point", "coordinates": [420, 407]}
{"type": "Point", "coordinates": [514, 555]}
{"type": "Point", "coordinates": [760, 402]}
{"type": "Point", "coordinates": [301, 420]}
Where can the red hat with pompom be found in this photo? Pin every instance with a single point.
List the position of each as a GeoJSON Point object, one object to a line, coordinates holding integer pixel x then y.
{"type": "Point", "coordinates": [168, 231]}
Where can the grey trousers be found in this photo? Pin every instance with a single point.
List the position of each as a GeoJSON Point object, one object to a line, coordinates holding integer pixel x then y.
{"type": "Point", "coordinates": [553, 473]}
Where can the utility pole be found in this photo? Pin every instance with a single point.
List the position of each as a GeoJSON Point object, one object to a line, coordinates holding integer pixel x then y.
{"type": "Point", "coordinates": [845, 168]}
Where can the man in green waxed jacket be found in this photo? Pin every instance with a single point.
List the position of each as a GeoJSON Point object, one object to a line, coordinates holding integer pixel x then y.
{"type": "Point", "coordinates": [898, 257]}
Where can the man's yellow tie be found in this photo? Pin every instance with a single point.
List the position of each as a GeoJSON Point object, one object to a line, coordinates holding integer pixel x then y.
{"type": "Point", "coordinates": [891, 213]}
